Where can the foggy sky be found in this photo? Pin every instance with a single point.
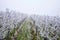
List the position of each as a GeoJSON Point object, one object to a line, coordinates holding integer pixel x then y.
{"type": "Point", "coordinates": [39, 7]}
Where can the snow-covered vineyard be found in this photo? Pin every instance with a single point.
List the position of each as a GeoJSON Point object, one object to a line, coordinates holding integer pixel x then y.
{"type": "Point", "coordinates": [48, 27]}
{"type": "Point", "coordinates": [9, 20]}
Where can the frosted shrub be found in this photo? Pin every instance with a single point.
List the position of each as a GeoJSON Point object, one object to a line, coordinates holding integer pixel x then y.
{"type": "Point", "coordinates": [48, 26]}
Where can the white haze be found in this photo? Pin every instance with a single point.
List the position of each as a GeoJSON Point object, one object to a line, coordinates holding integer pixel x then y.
{"type": "Point", "coordinates": [39, 7]}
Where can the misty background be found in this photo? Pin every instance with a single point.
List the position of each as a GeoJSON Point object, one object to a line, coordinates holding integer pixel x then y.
{"type": "Point", "coordinates": [38, 7]}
